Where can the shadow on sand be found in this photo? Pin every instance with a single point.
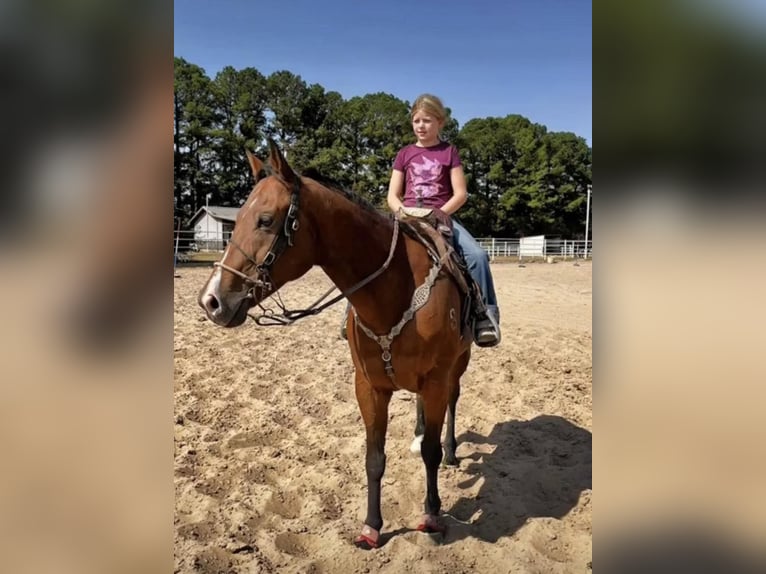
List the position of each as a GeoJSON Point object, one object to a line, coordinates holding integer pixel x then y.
{"type": "Point", "coordinates": [538, 468]}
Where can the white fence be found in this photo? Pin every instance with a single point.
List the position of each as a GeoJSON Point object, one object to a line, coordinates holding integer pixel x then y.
{"type": "Point", "coordinates": [501, 247]}
{"type": "Point", "coordinates": [185, 243]}
{"type": "Point", "coordinates": [189, 241]}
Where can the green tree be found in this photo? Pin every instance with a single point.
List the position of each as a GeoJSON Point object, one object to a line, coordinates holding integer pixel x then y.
{"type": "Point", "coordinates": [487, 156]}
{"type": "Point", "coordinates": [193, 122]}
{"type": "Point", "coordinates": [365, 134]}
{"type": "Point", "coordinates": [288, 96]}
{"type": "Point", "coordinates": [240, 106]}
{"type": "Point", "coordinates": [522, 179]}
{"type": "Point", "coordinates": [316, 134]}
{"type": "Point", "coordinates": [563, 176]}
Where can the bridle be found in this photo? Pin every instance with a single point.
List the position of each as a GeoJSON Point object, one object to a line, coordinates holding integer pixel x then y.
{"type": "Point", "coordinates": [262, 278]}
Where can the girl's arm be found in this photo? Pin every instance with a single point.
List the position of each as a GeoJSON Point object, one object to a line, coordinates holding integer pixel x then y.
{"type": "Point", "coordinates": [459, 191]}
{"type": "Point", "coordinates": [396, 190]}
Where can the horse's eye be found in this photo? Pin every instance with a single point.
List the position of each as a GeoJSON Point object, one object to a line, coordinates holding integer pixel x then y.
{"type": "Point", "coordinates": [265, 220]}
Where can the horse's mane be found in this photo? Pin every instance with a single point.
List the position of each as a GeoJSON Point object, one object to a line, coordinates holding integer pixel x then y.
{"type": "Point", "coordinates": [352, 196]}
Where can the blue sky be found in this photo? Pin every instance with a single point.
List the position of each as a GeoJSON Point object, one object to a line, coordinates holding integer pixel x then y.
{"type": "Point", "coordinates": [483, 58]}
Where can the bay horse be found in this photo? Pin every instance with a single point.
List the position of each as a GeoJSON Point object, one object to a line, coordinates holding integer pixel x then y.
{"type": "Point", "coordinates": [404, 331]}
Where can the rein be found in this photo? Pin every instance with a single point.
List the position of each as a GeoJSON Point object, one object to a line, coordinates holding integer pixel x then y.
{"type": "Point", "coordinates": [262, 277]}
{"type": "Point", "coordinates": [287, 317]}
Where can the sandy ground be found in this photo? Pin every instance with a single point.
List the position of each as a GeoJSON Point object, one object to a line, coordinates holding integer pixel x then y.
{"type": "Point", "coordinates": [269, 443]}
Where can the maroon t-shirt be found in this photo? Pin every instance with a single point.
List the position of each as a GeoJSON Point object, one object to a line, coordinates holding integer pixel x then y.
{"type": "Point", "coordinates": [426, 171]}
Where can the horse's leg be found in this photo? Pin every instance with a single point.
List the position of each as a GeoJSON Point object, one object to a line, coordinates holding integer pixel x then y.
{"type": "Point", "coordinates": [420, 425]}
{"type": "Point", "coordinates": [450, 442]}
{"type": "Point", "coordinates": [373, 405]}
{"type": "Point", "coordinates": [434, 407]}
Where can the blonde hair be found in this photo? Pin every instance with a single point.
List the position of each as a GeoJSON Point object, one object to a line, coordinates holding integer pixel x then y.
{"type": "Point", "coordinates": [431, 105]}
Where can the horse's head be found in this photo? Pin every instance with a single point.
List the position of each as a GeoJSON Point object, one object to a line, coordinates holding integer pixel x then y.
{"type": "Point", "coordinates": [270, 244]}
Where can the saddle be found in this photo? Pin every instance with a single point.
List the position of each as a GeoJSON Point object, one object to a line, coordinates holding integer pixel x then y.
{"type": "Point", "coordinates": [437, 238]}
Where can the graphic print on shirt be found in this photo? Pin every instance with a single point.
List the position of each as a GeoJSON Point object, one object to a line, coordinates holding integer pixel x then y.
{"type": "Point", "coordinates": [425, 177]}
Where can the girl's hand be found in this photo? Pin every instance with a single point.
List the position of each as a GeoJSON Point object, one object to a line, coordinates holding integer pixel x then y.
{"type": "Point", "coordinates": [442, 218]}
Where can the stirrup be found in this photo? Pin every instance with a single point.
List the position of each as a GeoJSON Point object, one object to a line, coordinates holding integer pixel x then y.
{"type": "Point", "coordinates": [486, 332]}
{"type": "Point", "coordinates": [344, 323]}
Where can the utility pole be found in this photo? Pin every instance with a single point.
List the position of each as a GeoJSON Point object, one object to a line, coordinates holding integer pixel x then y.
{"type": "Point", "coordinates": [587, 221]}
{"type": "Point", "coordinates": [207, 221]}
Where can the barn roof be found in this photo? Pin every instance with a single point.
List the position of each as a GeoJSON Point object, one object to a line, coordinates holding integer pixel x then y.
{"type": "Point", "coordinates": [217, 212]}
{"type": "Point", "coordinates": [226, 213]}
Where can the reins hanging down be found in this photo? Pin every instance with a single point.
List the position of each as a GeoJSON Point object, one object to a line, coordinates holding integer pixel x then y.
{"type": "Point", "coordinates": [262, 278]}
{"type": "Point", "coordinates": [287, 317]}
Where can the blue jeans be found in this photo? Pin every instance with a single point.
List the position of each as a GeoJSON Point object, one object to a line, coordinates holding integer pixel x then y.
{"type": "Point", "coordinates": [478, 265]}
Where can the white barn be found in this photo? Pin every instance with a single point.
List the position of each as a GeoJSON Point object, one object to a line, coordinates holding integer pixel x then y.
{"type": "Point", "coordinates": [212, 226]}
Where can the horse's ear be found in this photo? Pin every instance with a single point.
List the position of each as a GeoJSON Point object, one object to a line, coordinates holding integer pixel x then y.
{"type": "Point", "coordinates": [279, 163]}
{"type": "Point", "coordinates": [256, 165]}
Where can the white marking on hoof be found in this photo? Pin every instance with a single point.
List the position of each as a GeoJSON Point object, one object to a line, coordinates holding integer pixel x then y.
{"type": "Point", "coordinates": [415, 446]}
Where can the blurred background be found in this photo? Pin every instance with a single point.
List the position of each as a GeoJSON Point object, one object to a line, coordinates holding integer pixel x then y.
{"type": "Point", "coordinates": [86, 383]}
{"type": "Point", "coordinates": [680, 134]}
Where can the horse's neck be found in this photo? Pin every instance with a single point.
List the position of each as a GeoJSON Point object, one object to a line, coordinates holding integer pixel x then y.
{"type": "Point", "coordinates": [354, 244]}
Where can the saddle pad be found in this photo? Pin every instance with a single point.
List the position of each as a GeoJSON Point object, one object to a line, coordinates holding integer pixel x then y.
{"type": "Point", "coordinates": [418, 212]}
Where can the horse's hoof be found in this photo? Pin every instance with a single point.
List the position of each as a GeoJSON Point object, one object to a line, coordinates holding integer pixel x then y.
{"type": "Point", "coordinates": [451, 461]}
{"type": "Point", "coordinates": [415, 446]}
{"type": "Point", "coordinates": [431, 525]}
{"type": "Point", "coordinates": [364, 543]}
{"type": "Point", "coordinates": [368, 539]}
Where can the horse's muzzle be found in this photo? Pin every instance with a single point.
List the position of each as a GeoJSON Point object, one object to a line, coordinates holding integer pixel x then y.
{"type": "Point", "coordinates": [225, 313]}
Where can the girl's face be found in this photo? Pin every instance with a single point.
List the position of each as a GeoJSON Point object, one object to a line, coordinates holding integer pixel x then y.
{"type": "Point", "coordinates": [426, 128]}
